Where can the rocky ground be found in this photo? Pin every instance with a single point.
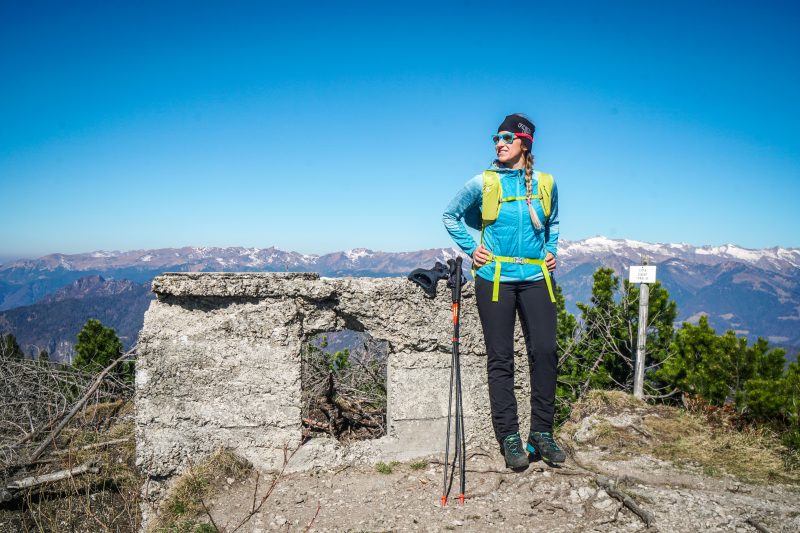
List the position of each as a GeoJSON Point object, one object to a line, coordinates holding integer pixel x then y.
{"type": "Point", "coordinates": [624, 442]}
{"type": "Point", "coordinates": [542, 498]}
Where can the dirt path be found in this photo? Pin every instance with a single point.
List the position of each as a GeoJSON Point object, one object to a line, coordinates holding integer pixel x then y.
{"type": "Point", "coordinates": [542, 498]}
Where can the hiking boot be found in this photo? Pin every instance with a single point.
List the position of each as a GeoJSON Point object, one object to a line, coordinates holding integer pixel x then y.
{"type": "Point", "coordinates": [512, 451]}
{"type": "Point", "coordinates": [544, 445]}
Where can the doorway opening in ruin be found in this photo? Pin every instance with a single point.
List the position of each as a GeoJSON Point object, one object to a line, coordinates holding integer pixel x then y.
{"type": "Point", "coordinates": [343, 376]}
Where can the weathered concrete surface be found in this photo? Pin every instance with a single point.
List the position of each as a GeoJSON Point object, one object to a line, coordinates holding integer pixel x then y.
{"type": "Point", "coordinates": [219, 365]}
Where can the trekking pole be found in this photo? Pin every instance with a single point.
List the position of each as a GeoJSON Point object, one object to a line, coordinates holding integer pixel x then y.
{"type": "Point", "coordinates": [460, 425]}
{"type": "Point", "coordinates": [447, 439]}
{"type": "Point", "coordinates": [455, 282]}
{"type": "Point", "coordinates": [427, 280]}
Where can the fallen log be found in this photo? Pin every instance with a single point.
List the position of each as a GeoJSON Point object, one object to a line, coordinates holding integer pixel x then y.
{"type": "Point", "coordinates": [8, 492]}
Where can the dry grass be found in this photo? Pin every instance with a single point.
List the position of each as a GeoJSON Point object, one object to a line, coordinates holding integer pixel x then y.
{"type": "Point", "coordinates": [105, 501]}
{"type": "Point", "coordinates": [602, 402]}
{"type": "Point", "coordinates": [182, 509]}
{"type": "Point", "coordinates": [751, 453]}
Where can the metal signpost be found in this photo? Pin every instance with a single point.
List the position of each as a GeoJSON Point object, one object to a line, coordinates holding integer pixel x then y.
{"type": "Point", "coordinates": [643, 275]}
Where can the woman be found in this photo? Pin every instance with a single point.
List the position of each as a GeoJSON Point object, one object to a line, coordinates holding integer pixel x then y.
{"type": "Point", "coordinates": [513, 261]}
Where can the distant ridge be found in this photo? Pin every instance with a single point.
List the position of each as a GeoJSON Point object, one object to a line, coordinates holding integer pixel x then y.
{"type": "Point", "coordinates": [214, 258]}
{"type": "Point", "coordinates": [753, 292]}
{"type": "Point", "coordinates": [775, 258]}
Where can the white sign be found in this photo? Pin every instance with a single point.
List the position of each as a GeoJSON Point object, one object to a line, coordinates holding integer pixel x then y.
{"type": "Point", "coordinates": [643, 274]}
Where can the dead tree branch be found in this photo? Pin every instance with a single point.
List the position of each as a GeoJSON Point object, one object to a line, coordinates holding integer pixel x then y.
{"type": "Point", "coordinates": [91, 446]}
{"type": "Point", "coordinates": [89, 392]}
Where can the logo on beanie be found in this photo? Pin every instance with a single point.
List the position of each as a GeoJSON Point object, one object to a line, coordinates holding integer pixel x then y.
{"type": "Point", "coordinates": [525, 129]}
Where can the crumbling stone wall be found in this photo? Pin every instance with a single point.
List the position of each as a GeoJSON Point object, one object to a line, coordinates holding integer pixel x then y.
{"type": "Point", "coordinates": [219, 365]}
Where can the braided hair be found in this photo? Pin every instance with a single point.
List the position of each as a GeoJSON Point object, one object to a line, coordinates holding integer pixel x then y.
{"type": "Point", "coordinates": [529, 189]}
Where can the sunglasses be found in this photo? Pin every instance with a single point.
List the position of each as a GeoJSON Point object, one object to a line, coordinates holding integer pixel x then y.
{"type": "Point", "coordinates": [508, 137]}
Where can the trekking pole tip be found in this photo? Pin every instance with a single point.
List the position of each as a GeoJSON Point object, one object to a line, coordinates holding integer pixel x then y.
{"type": "Point", "coordinates": [461, 498]}
{"type": "Point", "coordinates": [444, 501]}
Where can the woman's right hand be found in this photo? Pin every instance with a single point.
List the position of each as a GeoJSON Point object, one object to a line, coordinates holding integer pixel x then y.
{"type": "Point", "coordinates": [480, 256]}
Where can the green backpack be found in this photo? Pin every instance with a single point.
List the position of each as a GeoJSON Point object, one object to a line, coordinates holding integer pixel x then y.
{"type": "Point", "coordinates": [493, 200]}
{"type": "Point", "coordinates": [493, 196]}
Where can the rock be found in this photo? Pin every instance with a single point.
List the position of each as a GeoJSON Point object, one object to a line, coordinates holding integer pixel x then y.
{"type": "Point", "coordinates": [584, 493]}
{"type": "Point", "coordinates": [624, 420]}
{"type": "Point", "coordinates": [604, 504]}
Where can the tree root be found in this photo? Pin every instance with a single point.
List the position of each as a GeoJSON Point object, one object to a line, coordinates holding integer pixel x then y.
{"type": "Point", "coordinates": [605, 483]}
{"type": "Point", "coordinates": [756, 524]}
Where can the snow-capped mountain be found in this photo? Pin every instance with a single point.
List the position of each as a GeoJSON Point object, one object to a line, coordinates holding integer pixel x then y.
{"type": "Point", "coordinates": [775, 259]}
{"type": "Point", "coordinates": [222, 259]}
{"type": "Point", "coordinates": [754, 292]}
{"type": "Point", "coordinates": [571, 254]}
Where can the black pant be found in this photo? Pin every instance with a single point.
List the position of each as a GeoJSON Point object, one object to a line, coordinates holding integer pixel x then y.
{"type": "Point", "coordinates": [538, 317]}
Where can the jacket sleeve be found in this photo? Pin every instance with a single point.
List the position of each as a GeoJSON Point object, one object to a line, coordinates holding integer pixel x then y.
{"type": "Point", "coordinates": [468, 198]}
{"type": "Point", "coordinates": [551, 228]}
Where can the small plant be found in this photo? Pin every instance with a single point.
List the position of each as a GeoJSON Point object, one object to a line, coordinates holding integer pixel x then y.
{"type": "Point", "coordinates": [177, 508]}
{"type": "Point", "coordinates": [383, 468]}
{"type": "Point", "coordinates": [187, 526]}
{"type": "Point", "coordinates": [418, 465]}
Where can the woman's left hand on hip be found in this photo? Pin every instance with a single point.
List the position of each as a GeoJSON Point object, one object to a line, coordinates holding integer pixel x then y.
{"type": "Point", "coordinates": [550, 261]}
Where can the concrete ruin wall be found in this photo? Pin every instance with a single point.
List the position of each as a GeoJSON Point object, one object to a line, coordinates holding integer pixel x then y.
{"type": "Point", "coordinates": [219, 366]}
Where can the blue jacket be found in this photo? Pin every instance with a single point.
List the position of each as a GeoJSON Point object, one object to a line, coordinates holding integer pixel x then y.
{"type": "Point", "coordinates": [512, 234]}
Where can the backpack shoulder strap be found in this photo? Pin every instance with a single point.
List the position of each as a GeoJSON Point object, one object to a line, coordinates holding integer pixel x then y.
{"type": "Point", "coordinates": [545, 191]}
{"type": "Point", "coordinates": [492, 193]}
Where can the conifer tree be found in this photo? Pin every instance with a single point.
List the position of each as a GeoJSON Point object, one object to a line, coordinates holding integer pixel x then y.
{"type": "Point", "coordinates": [97, 346]}
{"type": "Point", "coordinates": [597, 356]}
{"type": "Point", "coordinates": [719, 367]}
{"type": "Point", "coordinates": [776, 401]}
{"type": "Point", "coordinates": [570, 374]}
{"type": "Point", "coordinates": [9, 348]}
{"type": "Point", "coordinates": [699, 365]}
{"type": "Point", "coordinates": [610, 329]}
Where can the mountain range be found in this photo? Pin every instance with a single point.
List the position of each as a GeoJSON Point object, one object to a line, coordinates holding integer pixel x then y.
{"type": "Point", "coordinates": [44, 301]}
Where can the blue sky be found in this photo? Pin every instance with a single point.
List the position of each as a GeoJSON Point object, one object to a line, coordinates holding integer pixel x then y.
{"type": "Point", "coordinates": [336, 125]}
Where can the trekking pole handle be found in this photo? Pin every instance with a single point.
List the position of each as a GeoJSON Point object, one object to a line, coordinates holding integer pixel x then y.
{"type": "Point", "coordinates": [455, 277]}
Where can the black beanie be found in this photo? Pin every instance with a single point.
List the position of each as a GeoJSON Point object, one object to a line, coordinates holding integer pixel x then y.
{"type": "Point", "coordinates": [518, 123]}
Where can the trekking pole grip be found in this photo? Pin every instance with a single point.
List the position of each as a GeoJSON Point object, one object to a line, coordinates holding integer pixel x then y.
{"type": "Point", "coordinates": [455, 277]}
